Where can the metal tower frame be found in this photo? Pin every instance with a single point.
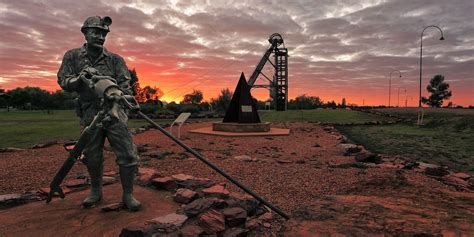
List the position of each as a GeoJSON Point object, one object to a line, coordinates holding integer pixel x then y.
{"type": "Point", "coordinates": [278, 85]}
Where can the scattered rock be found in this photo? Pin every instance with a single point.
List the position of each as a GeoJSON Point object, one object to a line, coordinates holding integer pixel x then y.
{"type": "Point", "coordinates": [438, 171]}
{"type": "Point", "coordinates": [112, 207]}
{"type": "Point", "coordinates": [245, 158]}
{"type": "Point", "coordinates": [142, 147]}
{"type": "Point", "coordinates": [43, 145]}
{"type": "Point", "coordinates": [234, 216]}
{"type": "Point", "coordinates": [267, 225]}
{"type": "Point", "coordinates": [455, 181]}
{"type": "Point", "coordinates": [421, 166]}
{"type": "Point", "coordinates": [191, 231]}
{"type": "Point", "coordinates": [198, 206]}
{"type": "Point", "coordinates": [185, 196]}
{"type": "Point", "coordinates": [146, 175]}
{"type": "Point", "coordinates": [349, 165]}
{"type": "Point", "coordinates": [75, 183]}
{"type": "Point", "coordinates": [461, 175]}
{"type": "Point", "coordinates": [106, 180]}
{"type": "Point", "coordinates": [166, 183]}
{"type": "Point", "coordinates": [283, 161]}
{"type": "Point", "coordinates": [196, 183]}
{"type": "Point", "coordinates": [347, 145]}
{"type": "Point", "coordinates": [368, 157]}
{"type": "Point", "coordinates": [212, 222]}
{"type": "Point", "coordinates": [156, 154]}
{"type": "Point", "coordinates": [10, 149]}
{"type": "Point", "coordinates": [353, 149]}
{"type": "Point", "coordinates": [170, 221]}
{"type": "Point", "coordinates": [216, 191]}
{"type": "Point", "coordinates": [244, 201]}
{"type": "Point", "coordinates": [267, 217]}
{"type": "Point", "coordinates": [235, 232]}
{"type": "Point", "coordinates": [181, 177]}
{"type": "Point", "coordinates": [253, 223]}
{"type": "Point", "coordinates": [133, 231]}
{"type": "Point", "coordinates": [410, 165]}
{"type": "Point", "coordinates": [9, 200]}
{"type": "Point", "coordinates": [110, 173]}
{"type": "Point", "coordinates": [316, 145]}
{"type": "Point", "coordinates": [45, 191]}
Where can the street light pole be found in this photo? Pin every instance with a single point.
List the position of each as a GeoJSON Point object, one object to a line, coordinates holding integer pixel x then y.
{"type": "Point", "coordinates": [421, 54]}
{"type": "Point", "coordinates": [390, 85]}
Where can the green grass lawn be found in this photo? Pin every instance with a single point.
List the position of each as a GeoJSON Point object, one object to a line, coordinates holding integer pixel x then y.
{"type": "Point", "coordinates": [26, 128]}
{"type": "Point", "coordinates": [337, 116]}
{"type": "Point", "coordinates": [445, 139]}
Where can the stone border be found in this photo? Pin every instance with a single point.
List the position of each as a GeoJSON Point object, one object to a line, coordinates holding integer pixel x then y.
{"type": "Point", "coordinates": [206, 208]}
{"type": "Point", "coordinates": [459, 180]}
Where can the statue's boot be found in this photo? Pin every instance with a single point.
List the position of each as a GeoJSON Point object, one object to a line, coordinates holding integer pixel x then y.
{"type": "Point", "coordinates": [127, 175]}
{"type": "Point", "coordinates": [95, 172]}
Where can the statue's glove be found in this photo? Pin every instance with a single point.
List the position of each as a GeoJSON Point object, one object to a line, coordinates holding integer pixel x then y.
{"type": "Point", "coordinates": [96, 78]}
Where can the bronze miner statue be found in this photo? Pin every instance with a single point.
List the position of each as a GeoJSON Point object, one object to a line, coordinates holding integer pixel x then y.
{"type": "Point", "coordinates": [87, 70]}
{"type": "Point", "coordinates": [102, 80]}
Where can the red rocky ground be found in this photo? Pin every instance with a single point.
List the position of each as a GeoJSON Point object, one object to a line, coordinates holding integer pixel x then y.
{"type": "Point", "coordinates": [300, 173]}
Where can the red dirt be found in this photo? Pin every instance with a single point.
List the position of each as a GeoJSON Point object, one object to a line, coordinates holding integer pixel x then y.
{"type": "Point", "coordinates": [67, 218]}
{"type": "Point", "coordinates": [319, 198]}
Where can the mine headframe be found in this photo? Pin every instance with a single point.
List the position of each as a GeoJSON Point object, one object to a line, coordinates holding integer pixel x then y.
{"type": "Point", "coordinates": [278, 85]}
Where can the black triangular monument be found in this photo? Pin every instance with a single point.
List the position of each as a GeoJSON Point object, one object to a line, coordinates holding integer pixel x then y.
{"type": "Point", "coordinates": [242, 108]}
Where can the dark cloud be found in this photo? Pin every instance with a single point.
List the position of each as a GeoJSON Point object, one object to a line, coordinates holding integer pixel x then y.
{"type": "Point", "coordinates": [336, 47]}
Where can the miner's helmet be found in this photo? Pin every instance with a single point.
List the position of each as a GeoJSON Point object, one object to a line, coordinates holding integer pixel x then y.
{"type": "Point", "coordinates": [97, 22]}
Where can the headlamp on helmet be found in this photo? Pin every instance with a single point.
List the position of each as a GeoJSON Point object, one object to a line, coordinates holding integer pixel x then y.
{"type": "Point", "coordinates": [97, 22]}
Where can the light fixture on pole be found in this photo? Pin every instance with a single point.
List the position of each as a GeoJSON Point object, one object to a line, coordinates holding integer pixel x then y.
{"type": "Point", "coordinates": [421, 54]}
{"type": "Point", "coordinates": [390, 84]}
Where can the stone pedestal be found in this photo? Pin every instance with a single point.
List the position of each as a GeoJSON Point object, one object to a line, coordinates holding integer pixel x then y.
{"type": "Point", "coordinates": [241, 127]}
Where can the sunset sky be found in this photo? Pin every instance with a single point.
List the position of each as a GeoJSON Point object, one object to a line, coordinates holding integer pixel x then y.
{"type": "Point", "coordinates": [337, 48]}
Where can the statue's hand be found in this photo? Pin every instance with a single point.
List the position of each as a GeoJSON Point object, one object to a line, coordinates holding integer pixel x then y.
{"type": "Point", "coordinates": [96, 78]}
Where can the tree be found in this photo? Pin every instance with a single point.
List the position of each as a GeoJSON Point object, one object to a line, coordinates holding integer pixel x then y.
{"type": "Point", "coordinates": [439, 91]}
{"type": "Point", "coordinates": [134, 84]}
{"type": "Point", "coordinates": [194, 98]}
{"type": "Point", "coordinates": [331, 105]}
{"type": "Point", "coordinates": [305, 102]}
{"type": "Point", "coordinates": [3, 98]}
{"type": "Point", "coordinates": [152, 93]}
{"type": "Point", "coordinates": [222, 102]}
{"type": "Point", "coordinates": [343, 103]}
{"type": "Point", "coordinates": [30, 98]}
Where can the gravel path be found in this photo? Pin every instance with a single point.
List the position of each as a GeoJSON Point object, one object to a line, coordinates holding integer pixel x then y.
{"type": "Point", "coordinates": [294, 172]}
